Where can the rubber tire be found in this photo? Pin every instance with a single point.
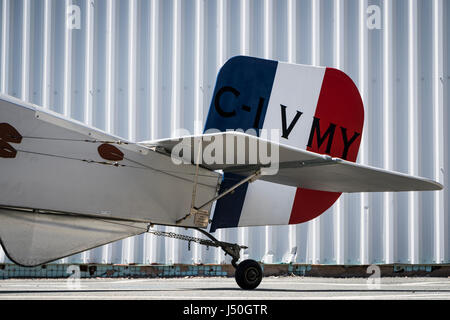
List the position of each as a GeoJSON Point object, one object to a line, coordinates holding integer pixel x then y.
{"type": "Point", "coordinates": [248, 274]}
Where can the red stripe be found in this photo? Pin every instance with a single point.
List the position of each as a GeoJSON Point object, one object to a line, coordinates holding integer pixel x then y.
{"type": "Point", "coordinates": [339, 103]}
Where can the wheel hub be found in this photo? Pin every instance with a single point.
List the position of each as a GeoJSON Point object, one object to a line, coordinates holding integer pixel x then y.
{"type": "Point", "coordinates": [252, 274]}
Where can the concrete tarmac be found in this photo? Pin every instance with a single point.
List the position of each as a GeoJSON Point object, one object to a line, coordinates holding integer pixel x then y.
{"type": "Point", "coordinates": [221, 288]}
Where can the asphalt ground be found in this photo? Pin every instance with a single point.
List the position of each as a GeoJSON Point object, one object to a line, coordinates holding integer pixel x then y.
{"type": "Point", "coordinates": [222, 288]}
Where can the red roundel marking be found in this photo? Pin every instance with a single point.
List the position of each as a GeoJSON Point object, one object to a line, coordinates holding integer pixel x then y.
{"type": "Point", "coordinates": [339, 104]}
{"type": "Point", "coordinates": [109, 152]}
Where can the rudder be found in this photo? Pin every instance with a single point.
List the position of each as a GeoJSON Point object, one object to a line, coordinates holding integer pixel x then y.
{"type": "Point", "coordinates": [315, 108]}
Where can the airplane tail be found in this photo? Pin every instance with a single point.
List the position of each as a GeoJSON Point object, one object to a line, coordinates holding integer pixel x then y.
{"type": "Point", "coordinates": [53, 199]}
{"type": "Point", "coordinates": [318, 109]}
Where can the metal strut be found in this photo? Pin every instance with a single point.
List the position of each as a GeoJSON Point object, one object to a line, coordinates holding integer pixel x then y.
{"type": "Point", "coordinates": [196, 210]}
{"type": "Point", "coordinates": [232, 249]}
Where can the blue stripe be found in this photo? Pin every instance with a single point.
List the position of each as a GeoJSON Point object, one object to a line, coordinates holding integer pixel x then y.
{"type": "Point", "coordinates": [240, 101]}
{"type": "Point", "coordinates": [228, 209]}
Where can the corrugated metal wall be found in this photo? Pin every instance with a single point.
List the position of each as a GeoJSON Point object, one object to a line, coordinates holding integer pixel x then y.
{"type": "Point", "coordinates": [142, 69]}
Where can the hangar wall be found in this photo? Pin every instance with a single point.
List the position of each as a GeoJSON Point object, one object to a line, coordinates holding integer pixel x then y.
{"type": "Point", "coordinates": [142, 69]}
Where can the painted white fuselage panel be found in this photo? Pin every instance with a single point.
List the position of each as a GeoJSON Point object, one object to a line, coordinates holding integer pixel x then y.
{"type": "Point", "coordinates": [50, 174]}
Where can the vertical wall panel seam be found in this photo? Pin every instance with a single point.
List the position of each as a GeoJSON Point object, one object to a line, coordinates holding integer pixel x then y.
{"type": "Point", "coordinates": [220, 57]}
{"type": "Point", "coordinates": [4, 66]}
{"type": "Point", "coordinates": [110, 110]}
{"type": "Point", "coordinates": [413, 128]}
{"type": "Point", "coordinates": [151, 241]}
{"type": "Point", "coordinates": [132, 71]}
{"type": "Point", "coordinates": [67, 85]}
{"type": "Point", "coordinates": [176, 106]}
{"type": "Point", "coordinates": [257, 34]}
{"type": "Point", "coordinates": [110, 67]}
{"type": "Point", "coordinates": [199, 95]}
{"type": "Point", "coordinates": [244, 232]}
{"type": "Point", "coordinates": [176, 67]}
{"type": "Point", "coordinates": [438, 123]}
{"type": "Point", "coordinates": [89, 66]}
{"type": "Point", "coordinates": [270, 232]}
{"type": "Point", "coordinates": [46, 72]}
{"type": "Point", "coordinates": [67, 93]}
{"type": "Point", "coordinates": [364, 154]}
{"type": "Point", "coordinates": [339, 61]}
{"type": "Point", "coordinates": [25, 95]}
{"type": "Point", "coordinates": [388, 148]}
{"type": "Point", "coordinates": [292, 58]}
{"type": "Point", "coordinates": [89, 87]}
{"type": "Point", "coordinates": [316, 19]}
{"type": "Point", "coordinates": [5, 44]}
{"type": "Point", "coordinates": [245, 27]}
{"type": "Point", "coordinates": [131, 243]}
{"type": "Point", "coordinates": [154, 68]}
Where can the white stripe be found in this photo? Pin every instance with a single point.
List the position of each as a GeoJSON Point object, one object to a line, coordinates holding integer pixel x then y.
{"type": "Point", "coordinates": [388, 127]}
{"type": "Point", "coordinates": [26, 51]}
{"type": "Point", "coordinates": [292, 31]}
{"type": "Point", "coordinates": [413, 125]}
{"type": "Point", "coordinates": [47, 52]}
{"type": "Point", "coordinates": [338, 209]}
{"type": "Point", "coordinates": [110, 123]}
{"type": "Point", "coordinates": [267, 204]}
{"type": "Point", "coordinates": [364, 149]}
{"type": "Point", "coordinates": [154, 65]}
{"type": "Point", "coordinates": [200, 52]}
{"type": "Point", "coordinates": [176, 104]}
{"type": "Point", "coordinates": [245, 26]}
{"type": "Point", "coordinates": [89, 66]}
{"type": "Point", "coordinates": [67, 104]}
{"type": "Point", "coordinates": [5, 45]}
{"type": "Point", "coordinates": [292, 57]}
{"type": "Point", "coordinates": [297, 87]}
{"type": "Point", "coordinates": [438, 124]}
{"type": "Point", "coordinates": [316, 17]}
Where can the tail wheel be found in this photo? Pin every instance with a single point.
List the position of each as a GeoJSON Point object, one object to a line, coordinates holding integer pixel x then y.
{"type": "Point", "coordinates": [248, 274]}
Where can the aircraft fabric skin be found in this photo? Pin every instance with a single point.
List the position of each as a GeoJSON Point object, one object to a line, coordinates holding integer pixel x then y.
{"type": "Point", "coordinates": [66, 187]}
{"type": "Point", "coordinates": [315, 108]}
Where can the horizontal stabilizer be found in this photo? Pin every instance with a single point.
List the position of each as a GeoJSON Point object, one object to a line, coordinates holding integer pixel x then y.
{"type": "Point", "coordinates": [292, 166]}
{"type": "Point", "coordinates": [34, 238]}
